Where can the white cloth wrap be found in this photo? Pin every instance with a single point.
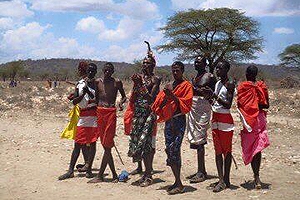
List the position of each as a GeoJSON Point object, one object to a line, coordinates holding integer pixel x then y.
{"type": "Point", "coordinates": [198, 121]}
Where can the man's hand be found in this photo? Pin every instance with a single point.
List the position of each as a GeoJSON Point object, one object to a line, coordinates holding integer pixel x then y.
{"type": "Point", "coordinates": [168, 90]}
{"type": "Point", "coordinates": [207, 92]}
{"type": "Point", "coordinates": [120, 104]}
{"type": "Point", "coordinates": [85, 90]}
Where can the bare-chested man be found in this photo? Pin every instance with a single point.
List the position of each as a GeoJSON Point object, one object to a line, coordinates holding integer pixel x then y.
{"type": "Point", "coordinates": [142, 122]}
{"type": "Point", "coordinates": [199, 117]}
{"type": "Point", "coordinates": [108, 88]}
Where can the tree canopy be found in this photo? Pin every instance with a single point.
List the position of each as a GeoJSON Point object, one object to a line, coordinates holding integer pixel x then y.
{"type": "Point", "coordinates": [291, 56]}
{"type": "Point", "coordinates": [217, 34]}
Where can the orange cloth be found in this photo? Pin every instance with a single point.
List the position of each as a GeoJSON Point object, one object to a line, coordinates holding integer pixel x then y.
{"type": "Point", "coordinates": [184, 93]}
{"type": "Point", "coordinates": [128, 117]}
{"type": "Point", "coordinates": [250, 95]}
{"type": "Point", "coordinates": [107, 121]}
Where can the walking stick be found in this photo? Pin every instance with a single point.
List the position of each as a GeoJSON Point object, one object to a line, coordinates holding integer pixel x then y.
{"type": "Point", "coordinates": [119, 155]}
{"type": "Point", "coordinates": [236, 167]}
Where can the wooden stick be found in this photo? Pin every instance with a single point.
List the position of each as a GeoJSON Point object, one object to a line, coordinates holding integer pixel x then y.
{"type": "Point", "coordinates": [119, 155]}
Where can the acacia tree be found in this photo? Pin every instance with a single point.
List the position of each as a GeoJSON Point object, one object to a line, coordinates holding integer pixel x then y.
{"type": "Point", "coordinates": [14, 68]}
{"type": "Point", "coordinates": [217, 34]}
{"type": "Point", "coordinates": [291, 56]}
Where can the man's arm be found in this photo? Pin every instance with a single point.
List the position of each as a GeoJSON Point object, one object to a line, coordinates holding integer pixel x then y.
{"type": "Point", "coordinates": [122, 92]}
{"type": "Point", "coordinates": [77, 97]}
{"type": "Point", "coordinates": [155, 88]}
{"type": "Point", "coordinates": [228, 101]}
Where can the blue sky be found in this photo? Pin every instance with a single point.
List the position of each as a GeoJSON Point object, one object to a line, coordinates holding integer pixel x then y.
{"type": "Point", "coordinates": [114, 30]}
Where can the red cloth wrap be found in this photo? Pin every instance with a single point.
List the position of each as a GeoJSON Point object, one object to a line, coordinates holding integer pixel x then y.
{"type": "Point", "coordinates": [250, 95]}
{"type": "Point", "coordinates": [107, 121]}
{"type": "Point", "coordinates": [184, 93]}
{"type": "Point", "coordinates": [84, 134]}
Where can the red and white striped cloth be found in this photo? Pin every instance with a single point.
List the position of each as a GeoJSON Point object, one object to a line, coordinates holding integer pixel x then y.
{"type": "Point", "coordinates": [87, 127]}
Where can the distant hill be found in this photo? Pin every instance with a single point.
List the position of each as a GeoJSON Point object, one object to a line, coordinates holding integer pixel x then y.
{"type": "Point", "coordinates": [62, 68]}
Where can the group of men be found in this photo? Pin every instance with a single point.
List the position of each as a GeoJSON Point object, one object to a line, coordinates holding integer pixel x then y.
{"type": "Point", "coordinates": [183, 106]}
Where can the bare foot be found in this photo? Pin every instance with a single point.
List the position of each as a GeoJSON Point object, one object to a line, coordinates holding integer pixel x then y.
{"type": "Point", "coordinates": [96, 180]}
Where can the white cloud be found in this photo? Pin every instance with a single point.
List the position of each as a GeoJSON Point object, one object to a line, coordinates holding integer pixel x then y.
{"type": "Point", "coordinates": [134, 8]}
{"type": "Point", "coordinates": [136, 50]}
{"type": "Point", "coordinates": [119, 54]}
{"type": "Point", "coordinates": [14, 9]}
{"type": "Point", "coordinates": [283, 30]}
{"type": "Point", "coordinates": [6, 23]}
{"type": "Point", "coordinates": [90, 24]}
{"type": "Point", "coordinates": [252, 8]}
{"type": "Point", "coordinates": [33, 41]}
{"type": "Point", "coordinates": [126, 28]}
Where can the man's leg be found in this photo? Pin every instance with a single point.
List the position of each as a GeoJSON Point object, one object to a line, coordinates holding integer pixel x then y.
{"type": "Point", "coordinates": [104, 162]}
{"type": "Point", "coordinates": [201, 173]}
{"type": "Point", "coordinates": [74, 157]}
{"type": "Point", "coordinates": [255, 164]}
{"type": "Point", "coordinates": [85, 151]}
{"type": "Point", "coordinates": [151, 159]}
{"type": "Point", "coordinates": [111, 164]}
{"type": "Point", "coordinates": [81, 167]}
{"type": "Point", "coordinates": [201, 160]}
{"type": "Point", "coordinates": [220, 185]}
{"type": "Point", "coordinates": [138, 170]}
{"type": "Point", "coordinates": [91, 155]}
{"type": "Point", "coordinates": [228, 161]}
{"type": "Point", "coordinates": [176, 172]}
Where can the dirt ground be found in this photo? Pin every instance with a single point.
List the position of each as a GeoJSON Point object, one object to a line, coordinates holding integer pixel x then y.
{"type": "Point", "coordinates": [33, 156]}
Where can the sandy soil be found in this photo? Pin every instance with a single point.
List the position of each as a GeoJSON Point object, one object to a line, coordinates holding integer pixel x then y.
{"type": "Point", "coordinates": [33, 156]}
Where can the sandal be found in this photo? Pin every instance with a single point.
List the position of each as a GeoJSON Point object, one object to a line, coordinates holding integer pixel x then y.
{"type": "Point", "coordinates": [115, 180]}
{"type": "Point", "coordinates": [148, 181]}
{"type": "Point", "coordinates": [89, 174]}
{"type": "Point", "coordinates": [171, 187]}
{"type": "Point", "coordinates": [212, 185]}
{"type": "Point", "coordinates": [78, 166]}
{"type": "Point", "coordinates": [83, 169]}
{"type": "Point", "coordinates": [257, 184]}
{"type": "Point", "coordinates": [191, 176]}
{"type": "Point", "coordinates": [66, 176]}
{"type": "Point", "coordinates": [176, 190]}
{"type": "Point", "coordinates": [199, 177]}
{"type": "Point", "coordinates": [219, 187]}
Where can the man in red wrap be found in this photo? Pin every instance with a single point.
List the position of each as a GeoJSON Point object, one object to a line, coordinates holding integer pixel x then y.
{"type": "Point", "coordinates": [108, 88]}
{"type": "Point", "coordinates": [222, 124]}
{"type": "Point", "coordinates": [86, 97]}
{"type": "Point", "coordinates": [170, 106]}
{"type": "Point", "coordinates": [252, 99]}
